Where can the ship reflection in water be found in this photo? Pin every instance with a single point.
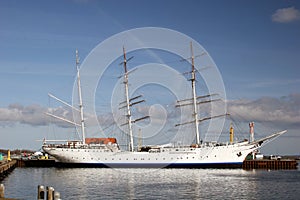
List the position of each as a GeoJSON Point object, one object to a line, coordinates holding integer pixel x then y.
{"type": "Point", "coordinates": [95, 183]}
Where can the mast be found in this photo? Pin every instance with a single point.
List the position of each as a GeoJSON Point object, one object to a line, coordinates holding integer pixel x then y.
{"type": "Point", "coordinates": [193, 80]}
{"type": "Point", "coordinates": [80, 99]}
{"type": "Point", "coordinates": [129, 120]}
{"type": "Point", "coordinates": [194, 100]}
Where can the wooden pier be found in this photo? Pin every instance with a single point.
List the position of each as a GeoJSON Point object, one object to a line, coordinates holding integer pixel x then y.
{"type": "Point", "coordinates": [7, 167]}
{"type": "Point", "coordinates": [270, 164]}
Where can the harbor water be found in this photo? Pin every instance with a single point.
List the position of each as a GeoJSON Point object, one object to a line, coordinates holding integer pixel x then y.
{"type": "Point", "coordinates": [97, 183]}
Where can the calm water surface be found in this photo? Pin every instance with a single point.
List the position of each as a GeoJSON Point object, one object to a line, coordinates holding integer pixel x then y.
{"type": "Point", "coordinates": [154, 183]}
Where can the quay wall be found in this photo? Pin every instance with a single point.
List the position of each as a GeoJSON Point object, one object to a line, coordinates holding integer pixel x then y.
{"type": "Point", "coordinates": [270, 164]}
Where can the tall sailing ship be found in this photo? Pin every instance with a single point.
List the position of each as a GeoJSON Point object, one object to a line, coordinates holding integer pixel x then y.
{"type": "Point", "coordinates": [105, 152]}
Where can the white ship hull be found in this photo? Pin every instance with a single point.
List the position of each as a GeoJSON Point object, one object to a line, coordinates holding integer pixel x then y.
{"type": "Point", "coordinates": [183, 157]}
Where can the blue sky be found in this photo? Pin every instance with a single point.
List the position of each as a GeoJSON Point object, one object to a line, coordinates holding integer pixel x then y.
{"type": "Point", "coordinates": [255, 44]}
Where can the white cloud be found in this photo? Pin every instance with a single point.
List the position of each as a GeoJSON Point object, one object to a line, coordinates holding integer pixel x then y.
{"type": "Point", "coordinates": [33, 115]}
{"type": "Point", "coordinates": [286, 15]}
{"type": "Point", "coordinates": [281, 112]}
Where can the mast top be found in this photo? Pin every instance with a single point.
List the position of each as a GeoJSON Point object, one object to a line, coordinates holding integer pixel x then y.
{"type": "Point", "coordinates": [77, 60]}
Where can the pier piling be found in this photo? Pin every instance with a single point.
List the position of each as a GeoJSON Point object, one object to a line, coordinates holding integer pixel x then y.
{"type": "Point", "coordinates": [41, 192]}
{"type": "Point", "coordinates": [50, 193]}
{"type": "Point", "coordinates": [56, 196]}
{"type": "Point", "coordinates": [2, 189]}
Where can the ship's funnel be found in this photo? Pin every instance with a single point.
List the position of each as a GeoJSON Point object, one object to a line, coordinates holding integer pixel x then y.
{"type": "Point", "coordinates": [231, 134]}
{"type": "Point", "coordinates": [251, 126]}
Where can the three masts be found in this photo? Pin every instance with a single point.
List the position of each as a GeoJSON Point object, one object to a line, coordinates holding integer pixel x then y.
{"type": "Point", "coordinates": [105, 152]}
